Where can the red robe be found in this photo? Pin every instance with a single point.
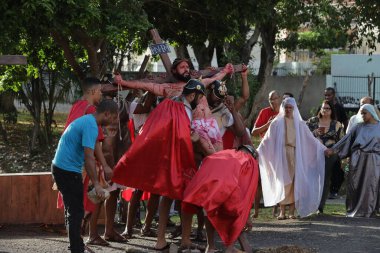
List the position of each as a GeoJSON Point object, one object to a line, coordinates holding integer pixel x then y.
{"type": "Point", "coordinates": [161, 159]}
{"type": "Point", "coordinates": [225, 186]}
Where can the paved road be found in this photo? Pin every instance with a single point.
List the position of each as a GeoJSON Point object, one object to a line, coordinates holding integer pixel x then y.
{"type": "Point", "coordinates": [319, 234]}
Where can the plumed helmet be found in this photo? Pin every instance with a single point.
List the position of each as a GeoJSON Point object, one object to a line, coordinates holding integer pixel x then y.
{"type": "Point", "coordinates": [219, 89]}
{"type": "Point", "coordinates": [194, 85]}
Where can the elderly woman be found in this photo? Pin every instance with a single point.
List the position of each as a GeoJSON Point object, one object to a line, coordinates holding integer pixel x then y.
{"type": "Point", "coordinates": [362, 144]}
{"type": "Point", "coordinates": [328, 131]}
{"type": "Point", "coordinates": [292, 164]}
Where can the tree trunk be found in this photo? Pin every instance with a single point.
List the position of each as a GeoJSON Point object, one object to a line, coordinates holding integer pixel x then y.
{"type": "Point", "coordinates": [7, 107]}
{"type": "Point", "coordinates": [31, 96]}
{"type": "Point", "coordinates": [306, 82]}
{"type": "Point", "coordinates": [64, 43]}
{"type": "Point", "coordinates": [249, 44]}
{"type": "Point", "coordinates": [204, 54]}
{"type": "Point", "coordinates": [182, 52]}
{"type": "Point", "coordinates": [268, 35]}
{"type": "Point", "coordinates": [3, 133]}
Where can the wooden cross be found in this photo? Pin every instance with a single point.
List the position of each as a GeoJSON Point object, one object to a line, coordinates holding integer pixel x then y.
{"type": "Point", "coordinates": [159, 78]}
{"type": "Point", "coordinates": [164, 57]}
{"type": "Point", "coordinates": [163, 77]}
{"type": "Point", "coordinates": [12, 60]}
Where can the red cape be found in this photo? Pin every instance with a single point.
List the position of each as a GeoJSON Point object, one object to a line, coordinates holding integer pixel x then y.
{"type": "Point", "coordinates": [161, 159]}
{"type": "Point", "coordinates": [225, 186]}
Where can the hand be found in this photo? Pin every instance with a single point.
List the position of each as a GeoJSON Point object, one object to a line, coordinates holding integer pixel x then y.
{"type": "Point", "coordinates": [195, 137]}
{"type": "Point", "coordinates": [100, 192]}
{"type": "Point", "coordinates": [229, 102]}
{"type": "Point", "coordinates": [320, 130]}
{"type": "Point", "coordinates": [329, 152]}
{"type": "Point", "coordinates": [117, 78]}
{"type": "Point", "coordinates": [245, 71]}
{"type": "Point", "coordinates": [108, 172]}
{"type": "Point", "coordinates": [228, 69]}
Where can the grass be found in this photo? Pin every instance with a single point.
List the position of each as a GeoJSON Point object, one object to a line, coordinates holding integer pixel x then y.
{"type": "Point", "coordinates": [265, 214]}
{"type": "Point", "coordinates": [335, 209]}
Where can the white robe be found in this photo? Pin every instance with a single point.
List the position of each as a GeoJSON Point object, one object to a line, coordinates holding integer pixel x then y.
{"type": "Point", "coordinates": [309, 164]}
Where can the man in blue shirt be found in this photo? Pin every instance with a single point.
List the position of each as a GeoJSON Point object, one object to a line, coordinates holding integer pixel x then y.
{"type": "Point", "coordinates": [75, 149]}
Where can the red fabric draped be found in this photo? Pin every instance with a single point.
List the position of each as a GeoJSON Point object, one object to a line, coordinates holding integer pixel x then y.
{"type": "Point", "coordinates": [228, 139]}
{"type": "Point", "coordinates": [161, 159]}
{"type": "Point", "coordinates": [225, 186]}
{"type": "Point", "coordinates": [131, 128]}
{"type": "Point", "coordinates": [127, 194]}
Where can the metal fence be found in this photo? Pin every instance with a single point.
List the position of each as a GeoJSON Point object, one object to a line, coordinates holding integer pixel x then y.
{"type": "Point", "coordinates": [349, 89]}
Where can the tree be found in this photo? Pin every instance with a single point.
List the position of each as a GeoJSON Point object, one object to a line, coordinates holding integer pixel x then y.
{"type": "Point", "coordinates": [365, 22]}
{"type": "Point", "coordinates": [40, 85]}
{"type": "Point", "coordinates": [84, 35]}
{"type": "Point", "coordinates": [88, 32]}
{"type": "Point", "coordinates": [206, 25]}
{"type": "Point", "coordinates": [294, 18]}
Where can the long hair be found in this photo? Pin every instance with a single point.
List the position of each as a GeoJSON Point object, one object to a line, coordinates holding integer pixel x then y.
{"type": "Point", "coordinates": [333, 115]}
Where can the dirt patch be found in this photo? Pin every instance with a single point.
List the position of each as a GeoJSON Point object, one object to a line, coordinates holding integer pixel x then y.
{"type": "Point", "coordinates": [15, 156]}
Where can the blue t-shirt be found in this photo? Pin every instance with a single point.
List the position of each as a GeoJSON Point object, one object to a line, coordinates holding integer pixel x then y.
{"type": "Point", "coordinates": [81, 133]}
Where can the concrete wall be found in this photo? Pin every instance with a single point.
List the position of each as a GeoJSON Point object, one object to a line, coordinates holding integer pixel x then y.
{"type": "Point", "coordinates": [313, 93]}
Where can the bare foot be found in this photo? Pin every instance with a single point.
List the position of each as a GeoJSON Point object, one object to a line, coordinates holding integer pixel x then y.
{"type": "Point", "coordinates": [160, 244]}
{"type": "Point", "coordinates": [233, 250]}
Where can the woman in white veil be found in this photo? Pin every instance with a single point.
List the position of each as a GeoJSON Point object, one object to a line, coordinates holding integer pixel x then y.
{"type": "Point", "coordinates": [291, 162]}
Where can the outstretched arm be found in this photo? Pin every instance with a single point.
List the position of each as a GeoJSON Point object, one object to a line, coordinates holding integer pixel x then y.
{"type": "Point", "coordinates": [228, 69]}
{"type": "Point", "coordinates": [239, 103]}
{"type": "Point", "coordinates": [155, 88]}
{"type": "Point", "coordinates": [238, 127]}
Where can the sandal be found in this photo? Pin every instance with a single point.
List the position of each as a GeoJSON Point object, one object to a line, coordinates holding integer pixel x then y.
{"type": "Point", "coordinates": [186, 248]}
{"type": "Point", "coordinates": [282, 217]}
{"type": "Point", "coordinates": [127, 235]}
{"type": "Point", "coordinates": [148, 233]}
{"type": "Point", "coordinates": [177, 232]}
{"type": "Point", "coordinates": [200, 237]}
{"type": "Point", "coordinates": [97, 241]}
{"type": "Point", "coordinates": [292, 217]}
{"type": "Point", "coordinates": [116, 238]}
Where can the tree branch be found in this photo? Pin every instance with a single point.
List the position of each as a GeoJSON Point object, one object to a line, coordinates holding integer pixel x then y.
{"type": "Point", "coordinates": [63, 42]}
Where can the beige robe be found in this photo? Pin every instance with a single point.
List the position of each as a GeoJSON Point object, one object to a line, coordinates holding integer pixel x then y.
{"type": "Point", "coordinates": [290, 146]}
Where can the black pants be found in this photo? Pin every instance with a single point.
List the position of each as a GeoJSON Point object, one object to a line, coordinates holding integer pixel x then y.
{"type": "Point", "coordinates": [337, 177]}
{"type": "Point", "coordinates": [330, 162]}
{"type": "Point", "coordinates": [71, 186]}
